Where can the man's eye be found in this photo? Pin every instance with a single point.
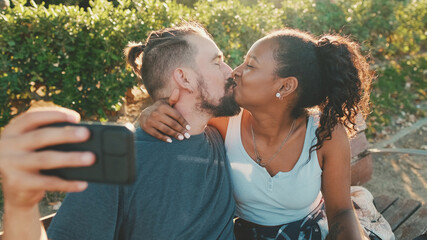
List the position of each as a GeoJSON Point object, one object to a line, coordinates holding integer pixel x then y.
{"type": "Point", "coordinates": [249, 66]}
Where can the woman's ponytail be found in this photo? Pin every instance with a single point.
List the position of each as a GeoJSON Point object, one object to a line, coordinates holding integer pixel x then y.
{"type": "Point", "coordinates": [345, 78]}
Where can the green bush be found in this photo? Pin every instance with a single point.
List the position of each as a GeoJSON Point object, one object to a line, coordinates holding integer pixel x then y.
{"type": "Point", "coordinates": [399, 90]}
{"type": "Point", "coordinates": [236, 27]}
{"type": "Point", "coordinates": [70, 56]}
{"type": "Point", "coordinates": [73, 56]}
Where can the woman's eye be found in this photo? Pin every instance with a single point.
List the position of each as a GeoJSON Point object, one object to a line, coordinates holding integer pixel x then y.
{"type": "Point", "coordinates": [249, 66]}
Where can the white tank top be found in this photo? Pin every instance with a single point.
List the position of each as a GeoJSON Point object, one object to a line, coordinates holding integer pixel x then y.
{"type": "Point", "coordinates": [283, 198]}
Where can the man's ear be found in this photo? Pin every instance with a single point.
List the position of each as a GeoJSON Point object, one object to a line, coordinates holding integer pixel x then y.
{"type": "Point", "coordinates": [288, 85]}
{"type": "Point", "coordinates": [181, 80]}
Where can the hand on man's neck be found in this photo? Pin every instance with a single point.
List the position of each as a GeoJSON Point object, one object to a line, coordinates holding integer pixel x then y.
{"type": "Point", "coordinates": [197, 119]}
{"type": "Point", "coordinates": [186, 104]}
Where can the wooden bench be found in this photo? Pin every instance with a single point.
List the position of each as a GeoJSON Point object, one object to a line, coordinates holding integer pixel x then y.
{"type": "Point", "coordinates": [407, 218]}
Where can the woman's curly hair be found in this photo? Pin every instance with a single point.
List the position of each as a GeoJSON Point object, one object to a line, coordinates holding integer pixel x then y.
{"type": "Point", "coordinates": [332, 74]}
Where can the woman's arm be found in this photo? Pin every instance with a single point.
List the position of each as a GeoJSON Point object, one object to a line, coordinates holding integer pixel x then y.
{"type": "Point", "coordinates": [343, 223]}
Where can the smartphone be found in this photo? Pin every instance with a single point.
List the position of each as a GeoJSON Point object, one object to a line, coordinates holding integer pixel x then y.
{"type": "Point", "coordinates": [113, 145]}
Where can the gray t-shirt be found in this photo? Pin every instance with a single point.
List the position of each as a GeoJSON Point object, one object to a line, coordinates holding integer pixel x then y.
{"type": "Point", "coordinates": [182, 191]}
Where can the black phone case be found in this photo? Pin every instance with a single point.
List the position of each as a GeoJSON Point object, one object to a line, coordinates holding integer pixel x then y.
{"type": "Point", "coordinates": [113, 145]}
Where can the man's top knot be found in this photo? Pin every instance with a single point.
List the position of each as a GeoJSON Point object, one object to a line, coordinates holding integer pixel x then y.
{"type": "Point", "coordinates": [141, 47]}
{"type": "Point", "coordinates": [322, 42]}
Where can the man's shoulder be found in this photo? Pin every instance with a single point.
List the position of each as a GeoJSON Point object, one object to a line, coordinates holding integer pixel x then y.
{"type": "Point", "coordinates": [213, 133]}
{"type": "Point", "coordinates": [143, 136]}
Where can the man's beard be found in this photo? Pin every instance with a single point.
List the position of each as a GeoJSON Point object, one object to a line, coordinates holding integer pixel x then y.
{"type": "Point", "coordinates": [227, 105]}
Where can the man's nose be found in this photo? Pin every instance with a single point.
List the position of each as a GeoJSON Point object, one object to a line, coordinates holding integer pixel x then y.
{"type": "Point", "coordinates": [236, 72]}
{"type": "Point", "coordinates": [228, 70]}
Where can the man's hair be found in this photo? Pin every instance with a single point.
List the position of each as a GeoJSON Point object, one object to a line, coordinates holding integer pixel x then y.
{"type": "Point", "coordinates": [164, 50]}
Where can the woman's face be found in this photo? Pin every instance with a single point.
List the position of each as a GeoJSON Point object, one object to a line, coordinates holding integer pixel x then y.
{"type": "Point", "coordinates": [255, 85]}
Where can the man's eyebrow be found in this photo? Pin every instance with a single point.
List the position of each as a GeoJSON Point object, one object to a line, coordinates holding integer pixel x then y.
{"type": "Point", "coordinates": [219, 55]}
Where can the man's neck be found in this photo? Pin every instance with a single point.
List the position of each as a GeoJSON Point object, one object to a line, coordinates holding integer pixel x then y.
{"type": "Point", "coordinates": [196, 119]}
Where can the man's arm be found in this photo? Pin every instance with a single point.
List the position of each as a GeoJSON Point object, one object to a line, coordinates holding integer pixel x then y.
{"type": "Point", "coordinates": [20, 165]}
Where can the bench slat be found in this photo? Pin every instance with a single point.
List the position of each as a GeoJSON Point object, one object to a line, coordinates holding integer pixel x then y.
{"type": "Point", "coordinates": [47, 219]}
{"type": "Point", "coordinates": [399, 211]}
{"type": "Point", "coordinates": [422, 237]}
{"type": "Point", "coordinates": [415, 226]}
{"type": "Point", "coordinates": [383, 202]}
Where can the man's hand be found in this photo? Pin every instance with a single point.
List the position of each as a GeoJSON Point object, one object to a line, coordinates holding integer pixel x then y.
{"type": "Point", "coordinates": [20, 163]}
{"type": "Point", "coordinates": [160, 120]}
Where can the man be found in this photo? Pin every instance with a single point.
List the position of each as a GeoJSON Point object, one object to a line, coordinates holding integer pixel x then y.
{"type": "Point", "coordinates": [182, 189]}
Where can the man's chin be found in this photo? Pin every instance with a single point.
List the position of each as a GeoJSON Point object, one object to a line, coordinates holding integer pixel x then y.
{"type": "Point", "coordinates": [228, 107]}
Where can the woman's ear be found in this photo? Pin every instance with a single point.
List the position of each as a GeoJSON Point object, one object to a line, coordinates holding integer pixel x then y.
{"type": "Point", "coordinates": [288, 86]}
{"type": "Point", "coordinates": [180, 78]}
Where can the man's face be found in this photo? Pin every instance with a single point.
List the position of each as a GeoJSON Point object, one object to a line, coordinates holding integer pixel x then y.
{"type": "Point", "coordinates": [214, 78]}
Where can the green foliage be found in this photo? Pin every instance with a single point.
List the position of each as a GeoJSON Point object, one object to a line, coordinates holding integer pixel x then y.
{"type": "Point", "coordinates": [386, 28]}
{"type": "Point", "coordinates": [399, 90]}
{"type": "Point", "coordinates": [73, 56]}
{"type": "Point", "coordinates": [236, 27]}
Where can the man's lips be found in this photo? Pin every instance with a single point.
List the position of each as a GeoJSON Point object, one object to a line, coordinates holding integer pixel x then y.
{"type": "Point", "coordinates": [230, 84]}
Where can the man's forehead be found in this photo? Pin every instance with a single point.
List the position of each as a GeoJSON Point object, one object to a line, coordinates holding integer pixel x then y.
{"type": "Point", "coordinates": [205, 46]}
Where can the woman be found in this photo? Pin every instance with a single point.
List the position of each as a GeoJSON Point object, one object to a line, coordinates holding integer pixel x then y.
{"type": "Point", "coordinates": [290, 163]}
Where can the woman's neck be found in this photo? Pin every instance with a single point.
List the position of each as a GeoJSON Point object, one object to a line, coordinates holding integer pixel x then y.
{"type": "Point", "coordinates": [270, 126]}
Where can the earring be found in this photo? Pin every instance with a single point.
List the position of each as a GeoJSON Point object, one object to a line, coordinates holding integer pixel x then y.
{"type": "Point", "coordinates": [278, 95]}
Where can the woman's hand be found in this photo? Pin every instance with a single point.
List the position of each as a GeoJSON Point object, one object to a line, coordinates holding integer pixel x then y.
{"type": "Point", "coordinates": [162, 121]}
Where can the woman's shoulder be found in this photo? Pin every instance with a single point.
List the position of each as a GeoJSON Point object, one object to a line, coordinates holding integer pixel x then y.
{"type": "Point", "coordinates": [338, 142]}
{"type": "Point", "coordinates": [221, 123]}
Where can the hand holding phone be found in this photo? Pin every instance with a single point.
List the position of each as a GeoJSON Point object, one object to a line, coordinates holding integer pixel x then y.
{"type": "Point", "coordinates": [113, 145]}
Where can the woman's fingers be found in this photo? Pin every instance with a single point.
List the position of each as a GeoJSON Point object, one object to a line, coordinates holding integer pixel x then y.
{"type": "Point", "coordinates": [34, 119]}
{"type": "Point", "coordinates": [165, 120]}
{"type": "Point", "coordinates": [177, 121]}
{"type": "Point", "coordinates": [169, 126]}
{"type": "Point", "coordinates": [156, 133]}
